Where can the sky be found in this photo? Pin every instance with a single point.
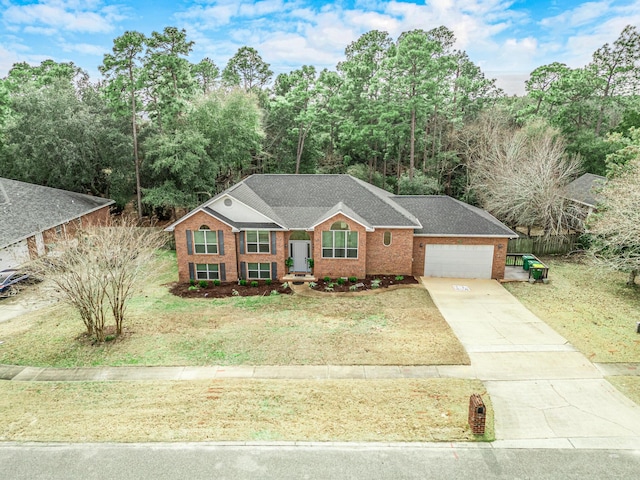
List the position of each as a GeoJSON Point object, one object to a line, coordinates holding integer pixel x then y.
{"type": "Point", "coordinates": [507, 39]}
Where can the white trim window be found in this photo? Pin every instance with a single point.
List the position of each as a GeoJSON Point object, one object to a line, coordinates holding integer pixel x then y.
{"type": "Point", "coordinates": [207, 271]}
{"type": "Point", "coordinates": [258, 271]}
{"type": "Point", "coordinates": [258, 241]}
{"type": "Point", "coordinates": [205, 240]}
{"type": "Point", "coordinates": [339, 242]}
{"type": "Point", "coordinates": [386, 238]}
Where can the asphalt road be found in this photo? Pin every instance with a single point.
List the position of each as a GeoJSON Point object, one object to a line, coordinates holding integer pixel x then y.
{"type": "Point", "coordinates": [237, 462]}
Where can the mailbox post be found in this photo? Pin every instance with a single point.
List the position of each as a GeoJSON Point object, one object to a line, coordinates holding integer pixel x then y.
{"type": "Point", "coordinates": [477, 414]}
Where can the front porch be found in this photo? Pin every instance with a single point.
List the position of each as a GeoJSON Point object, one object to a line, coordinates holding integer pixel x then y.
{"type": "Point", "coordinates": [299, 277]}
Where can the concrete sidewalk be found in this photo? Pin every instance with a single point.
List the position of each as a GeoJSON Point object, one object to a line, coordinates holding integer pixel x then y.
{"type": "Point", "coordinates": [542, 389]}
{"type": "Point", "coordinates": [295, 372]}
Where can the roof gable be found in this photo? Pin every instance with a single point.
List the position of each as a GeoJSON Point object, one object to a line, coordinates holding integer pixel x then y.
{"type": "Point", "coordinates": [300, 200]}
{"type": "Point", "coordinates": [27, 209]}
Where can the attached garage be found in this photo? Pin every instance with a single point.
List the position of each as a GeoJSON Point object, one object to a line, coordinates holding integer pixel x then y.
{"type": "Point", "coordinates": [458, 261]}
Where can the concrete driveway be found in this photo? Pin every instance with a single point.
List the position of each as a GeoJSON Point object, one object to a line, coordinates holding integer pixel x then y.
{"type": "Point", "coordinates": [542, 389]}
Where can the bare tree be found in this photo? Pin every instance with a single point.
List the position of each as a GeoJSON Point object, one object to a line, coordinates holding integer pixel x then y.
{"type": "Point", "coordinates": [615, 229]}
{"type": "Point", "coordinates": [518, 174]}
{"type": "Point", "coordinates": [97, 270]}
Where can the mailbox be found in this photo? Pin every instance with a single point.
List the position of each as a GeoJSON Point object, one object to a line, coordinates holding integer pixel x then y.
{"type": "Point", "coordinates": [477, 414]}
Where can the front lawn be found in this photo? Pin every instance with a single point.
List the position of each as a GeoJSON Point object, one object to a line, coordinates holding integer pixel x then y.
{"type": "Point", "coordinates": [433, 410]}
{"type": "Point", "coordinates": [399, 327]}
{"type": "Point", "coordinates": [591, 307]}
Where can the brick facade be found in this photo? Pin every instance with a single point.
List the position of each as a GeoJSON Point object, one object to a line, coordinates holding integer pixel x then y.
{"type": "Point", "coordinates": [393, 259]}
{"type": "Point", "coordinates": [404, 256]}
{"type": "Point", "coordinates": [339, 267]}
{"type": "Point", "coordinates": [499, 252]}
{"type": "Point", "coordinates": [229, 259]}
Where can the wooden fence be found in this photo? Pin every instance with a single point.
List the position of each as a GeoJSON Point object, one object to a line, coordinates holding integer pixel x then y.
{"type": "Point", "coordinates": [543, 245]}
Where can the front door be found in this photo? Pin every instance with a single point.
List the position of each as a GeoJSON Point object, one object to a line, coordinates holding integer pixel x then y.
{"type": "Point", "coordinates": [300, 251]}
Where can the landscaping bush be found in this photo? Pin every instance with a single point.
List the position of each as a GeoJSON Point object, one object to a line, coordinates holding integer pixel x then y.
{"type": "Point", "coordinates": [203, 284]}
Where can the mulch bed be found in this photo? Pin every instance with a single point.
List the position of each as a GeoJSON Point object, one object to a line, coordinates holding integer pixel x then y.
{"type": "Point", "coordinates": [385, 281]}
{"type": "Point", "coordinates": [226, 290]}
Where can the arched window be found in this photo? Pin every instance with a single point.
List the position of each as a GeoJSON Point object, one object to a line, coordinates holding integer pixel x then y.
{"type": "Point", "coordinates": [340, 226]}
{"type": "Point", "coordinates": [386, 238]}
{"type": "Point", "coordinates": [339, 242]}
{"type": "Point", "coordinates": [205, 240]}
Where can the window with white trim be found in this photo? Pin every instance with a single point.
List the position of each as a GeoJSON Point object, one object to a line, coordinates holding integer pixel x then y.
{"type": "Point", "coordinates": [258, 271]}
{"type": "Point", "coordinates": [386, 238]}
{"type": "Point", "coordinates": [205, 240]}
{"type": "Point", "coordinates": [258, 241]}
{"type": "Point", "coordinates": [339, 242]}
{"type": "Point", "coordinates": [207, 271]}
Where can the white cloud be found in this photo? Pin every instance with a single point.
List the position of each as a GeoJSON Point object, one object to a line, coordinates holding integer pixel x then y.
{"type": "Point", "coordinates": [84, 48]}
{"type": "Point", "coordinates": [40, 30]}
{"type": "Point", "coordinates": [69, 15]}
{"type": "Point", "coordinates": [581, 15]}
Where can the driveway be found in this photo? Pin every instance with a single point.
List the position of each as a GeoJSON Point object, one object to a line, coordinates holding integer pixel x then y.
{"type": "Point", "coordinates": [542, 389]}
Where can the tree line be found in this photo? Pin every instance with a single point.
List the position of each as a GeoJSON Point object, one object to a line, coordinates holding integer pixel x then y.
{"type": "Point", "coordinates": [413, 115]}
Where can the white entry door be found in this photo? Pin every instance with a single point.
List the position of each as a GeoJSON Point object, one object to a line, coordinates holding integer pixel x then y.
{"type": "Point", "coordinates": [458, 261]}
{"type": "Point", "coordinates": [300, 251]}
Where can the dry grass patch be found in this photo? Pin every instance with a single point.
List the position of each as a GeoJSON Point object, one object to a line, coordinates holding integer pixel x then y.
{"type": "Point", "coordinates": [240, 410]}
{"type": "Point", "coordinates": [592, 308]}
{"type": "Point", "coordinates": [399, 327]}
{"type": "Point", "coordinates": [629, 386]}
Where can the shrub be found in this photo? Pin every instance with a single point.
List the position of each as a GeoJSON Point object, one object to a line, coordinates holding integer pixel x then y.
{"type": "Point", "coordinates": [193, 287]}
{"type": "Point", "coordinates": [341, 281]}
{"type": "Point", "coordinates": [329, 288]}
{"type": "Point", "coordinates": [353, 279]}
{"type": "Point", "coordinates": [192, 282]}
{"type": "Point", "coordinates": [203, 284]}
{"type": "Point", "coordinates": [268, 282]}
{"type": "Point", "coordinates": [285, 285]}
{"type": "Point", "coordinates": [274, 293]}
{"type": "Point", "coordinates": [375, 283]}
{"type": "Point", "coordinates": [353, 288]}
{"type": "Point", "coordinates": [242, 282]}
{"type": "Point", "coordinates": [331, 285]}
{"type": "Point", "coordinates": [399, 278]}
{"type": "Point", "coordinates": [217, 283]}
{"type": "Point", "coordinates": [312, 284]}
{"type": "Point", "coordinates": [254, 284]}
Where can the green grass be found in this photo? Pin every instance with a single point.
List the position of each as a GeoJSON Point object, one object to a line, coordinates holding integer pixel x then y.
{"type": "Point", "coordinates": [399, 327]}
{"type": "Point", "coordinates": [591, 307]}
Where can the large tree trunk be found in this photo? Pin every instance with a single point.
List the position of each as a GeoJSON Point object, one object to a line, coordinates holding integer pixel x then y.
{"type": "Point", "coordinates": [136, 157]}
{"type": "Point", "coordinates": [412, 151]}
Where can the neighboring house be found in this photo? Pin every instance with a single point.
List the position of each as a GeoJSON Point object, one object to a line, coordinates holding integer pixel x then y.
{"type": "Point", "coordinates": [347, 226]}
{"type": "Point", "coordinates": [583, 193]}
{"type": "Point", "coordinates": [33, 216]}
{"type": "Point", "coordinates": [584, 190]}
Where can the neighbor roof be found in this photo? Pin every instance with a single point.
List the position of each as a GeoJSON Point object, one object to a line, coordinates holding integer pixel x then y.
{"type": "Point", "coordinates": [445, 216]}
{"type": "Point", "coordinates": [584, 189]}
{"type": "Point", "coordinates": [27, 209]}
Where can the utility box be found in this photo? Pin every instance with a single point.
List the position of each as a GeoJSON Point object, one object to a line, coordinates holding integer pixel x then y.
{"type": "Point", "coordinates": [477, 414]}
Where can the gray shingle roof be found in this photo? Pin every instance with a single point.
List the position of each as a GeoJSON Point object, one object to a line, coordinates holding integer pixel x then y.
{"type": "Point", "coordinates": [442, 215]}
{"type": "Point", "coordinates": [26, 209]}
{"type": "Point", "coordinates": [584, 189]}
{"type": "Point", "coordinates": [299, 201]}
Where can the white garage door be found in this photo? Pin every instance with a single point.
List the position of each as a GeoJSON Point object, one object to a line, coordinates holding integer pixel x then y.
{"type": "Point", "coordinates": [458, 261]}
